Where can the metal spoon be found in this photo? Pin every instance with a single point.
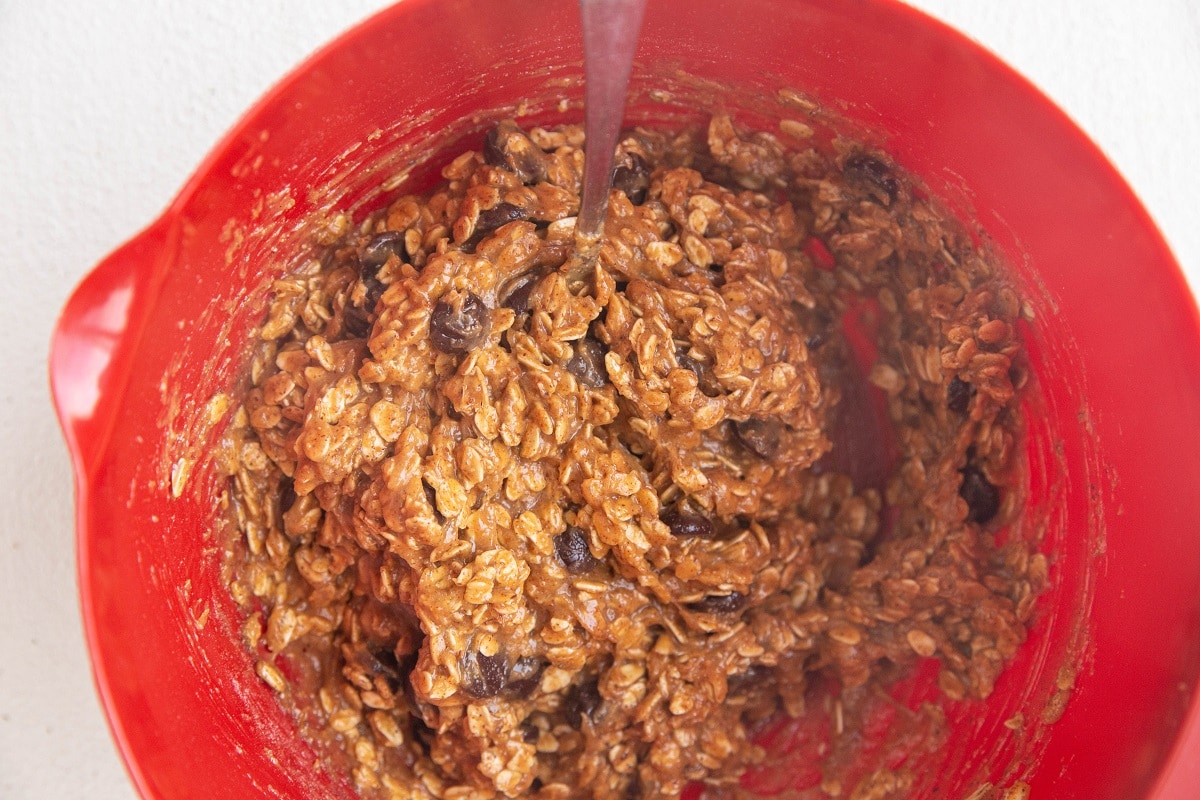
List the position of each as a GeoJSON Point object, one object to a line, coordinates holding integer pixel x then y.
{"type": "Point", "coordinates": [610, 34]}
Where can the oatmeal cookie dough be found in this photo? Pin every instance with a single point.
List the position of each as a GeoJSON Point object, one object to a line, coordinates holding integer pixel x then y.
{"type": "Point", "coordinates": [517, 532]}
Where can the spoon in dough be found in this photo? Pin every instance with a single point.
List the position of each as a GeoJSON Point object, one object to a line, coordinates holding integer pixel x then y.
{"type": "Point", "coordinates": [610, 34]}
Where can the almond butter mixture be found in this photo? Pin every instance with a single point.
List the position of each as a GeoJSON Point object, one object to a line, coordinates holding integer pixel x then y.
{"type": "Point", "coordinates": [506, 528]}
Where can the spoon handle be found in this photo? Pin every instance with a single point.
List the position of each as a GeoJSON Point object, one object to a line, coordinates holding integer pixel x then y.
{"type": "Point", "coordinates": [610, 34]}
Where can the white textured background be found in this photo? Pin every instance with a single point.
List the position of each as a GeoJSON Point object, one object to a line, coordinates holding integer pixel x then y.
{"type": "Point", "coordinates": [106, 106]}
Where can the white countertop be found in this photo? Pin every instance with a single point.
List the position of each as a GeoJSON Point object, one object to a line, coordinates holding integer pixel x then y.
{"type": "Point", "coordinates": [107, 106]}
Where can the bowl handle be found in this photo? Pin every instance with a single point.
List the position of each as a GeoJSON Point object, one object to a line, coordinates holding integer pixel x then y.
{"type": "Point", "coordinates": [95, 337]}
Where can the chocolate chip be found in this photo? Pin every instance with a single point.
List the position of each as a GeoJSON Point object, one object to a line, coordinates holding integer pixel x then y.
{"type": "Point", "coordinates": [719, 603]}
{"type": "Point", "coordinates": [492, 152]}
{"type": "Point", "coordinates": [872, 174]}
{"type": "Point", "coordinates": [759, 436]}
{"type": "Point", "coordinates": [375, 290]}
{"type": "Point", "coordinates": [750, 678]}
{"type": "Point", "coordinates": [375, 255]}
{"type": "Point", "coordinates": [490, 219]}
{"type": "Point", "coordinates": [530, 732]}
{"type": "Point", "coordinates": [383, 663]}
{"type": "Point", "coordinates": [687, 362]}
{"type": "Point", "coordinates": [705, 381]}
{"type": "Point", "coordinates": [483, 676]}
{"type": "Point", "coordinates": [633, 180]}
{"type": "Point", "coordinates": [506, 146]}
{"type": "Point", "coordinates": [386, 660]}
{"type": "Point", "coordinates": [378, 250]}
{"type": "Point", "coordinates": [983, 498]}
{"type": "Point", "coordinates": [816, 340]}
{"type": "Point", "coordinates": [685, 525]}
{"type": "Point", "coordinates": [458, 325]}
{"type": "Point", "coordinates": [518, 293]}
{"type": "Point", "coordinates": [583, 700]}
{"type": "Point", "coordinates": [500, 214]}
{"type": "Point", "coordinates": [587, 365]}
{"type": "Point", "coordinates": [571, 547]}
{"type": "Point", "coordinates": [524, 677]}
{"type": "Point", "coordinates": [958, 395]}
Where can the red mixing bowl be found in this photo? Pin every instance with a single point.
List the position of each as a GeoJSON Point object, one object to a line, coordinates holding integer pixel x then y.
{"type": "Point", "coordinates": [151, 342]}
